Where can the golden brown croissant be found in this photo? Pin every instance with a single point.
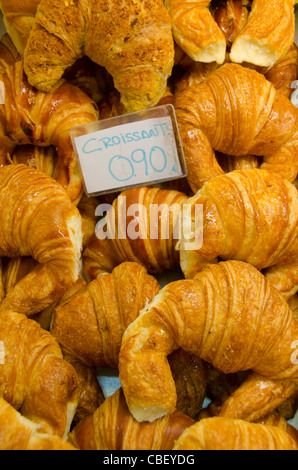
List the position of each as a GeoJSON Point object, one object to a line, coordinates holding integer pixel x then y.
{"type": "Point", "coordinates": [19, 18]}
{"type": "Point", "coordinates": [228, 315]}
{"type": "Point", "coordinates": [158, 231]}
{"type": "Point", "coordinates": [220, 433]}
{"type": "Point", "coordinates": [275, 419]}
{"type": "Point", "coordinates": [44, 119]}
{"type": "Point", "coordinates": [284, 278]}
{"type": "Point", "coordinates": [112, 427]}
{"type": "Point", "coordinates": [89, 324]}
{"type": "Point", "coordinates": [133, 41]}
{"type": "Point", "coordinates": [238, 112]}
{"type": "Point", "coordinates": [261, 38]}
{"type": "Point", "coordinates": [37, 219]}
{"type": "Point", "coordinates": [256, 397]}
{"type": "Point", "coordinates": [34, 377]}
{"type": "Point", "coordinates": [268, 33]}
{"type": "Point", "coordinates": [20, 433]}
{"type": "Point", "coordinates": [195, 30]}
{"type": "Point", "coordinates": [240, 210]}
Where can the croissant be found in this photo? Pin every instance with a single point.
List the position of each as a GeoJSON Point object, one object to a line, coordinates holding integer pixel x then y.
{"type": "Point", "coordinates": [274, 419]}
{"type": "Point", "coordinates": [35, 379]}
{"type": "Point", "coordinates": [37, 219]}
{"type": "Point", "coordinates": [265, 35]}
{"type": "Point", "coordinates": [151, 242]}
{"type": "Point", "coordinates": [89, 324]}
{"type": "Point", "coordinates": [238, 112]}
{"type": "Point", "coordinates": [133, 43]}
{"type": "Point", "coordinates": [20, 433]}
{"type": "Point", "coordinates": [44, 119]}
{"type": "Point", "coordinates": [282, 74]}
{"type": "Point", "coordinates": [239, 210]}
{"type": "Point", "coordinates": [19, 19]}
{"type": "Point", "coordinates": [284, 278]}
{"type": "Point", "coordinates": [112, 427]}
{"type": "Point", "coordinates": [228, 315]}
{"type": "Point", "coordinates": [256, 397]}
{"type": "Point", "coordinates": [219, 433]}
{"type": "Point", "coordinates": [195, 31]}
{"type": "Point", "coordinates": [268, 33]}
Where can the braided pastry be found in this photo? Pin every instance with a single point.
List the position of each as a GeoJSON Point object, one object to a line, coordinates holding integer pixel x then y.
{"type": "Point", "coordinates": [157, 224]}
{"type": "Point", "coordinates": [35, 378]}
{"type": "Point", "coordinates": [238, 113]}
{"type": "Point", "coordinates": [112, 427]}
{"type": "Point", "coordinates": [27, 117]}
{"type": "Point", "coordinates": [37, 219]}
{"type": "Point", "coordinates": [19, 433]}
{"type": "Point", "coordinates": [228, 315]}
{"type": "Point", "coordinates": [231, 434]}
{"type": "Point", "coordinates": [132, 40]}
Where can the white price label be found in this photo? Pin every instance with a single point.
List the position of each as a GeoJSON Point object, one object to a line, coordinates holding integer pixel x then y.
{"type": "Point", "coordinates": [129, 150]}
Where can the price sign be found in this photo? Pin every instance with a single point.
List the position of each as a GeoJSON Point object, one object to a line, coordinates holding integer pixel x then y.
{"type": "Point", "coordinates": [129, 150]}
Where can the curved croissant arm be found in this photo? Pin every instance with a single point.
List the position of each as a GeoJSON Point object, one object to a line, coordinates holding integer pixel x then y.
{"type": "Point", "coordinates": [89, 325]}
{"type": "Point", "coordinates": [229, 315]}
{"type": "Point", "coordinates": [256, 397]}
{"type": "Point", "coordinates": [235, 206]}
{"type": "Point", "coordinates": [238, 112]}
{"type": "Point", "coordinates": [37, 219]}
{"type": "Point", "coordinates": [142, 225]}
{"type": "Point", "coordinates": [20, 433]}
{"type": "Point", "coordinates": [44, 119]}
{"type": "Point", "coordinates": [112, 427]}
{"type": "Point", "coordinates": [195, 30]}
{"type": "Point", "coordinates": [132, 40]}
{"type": "Point", "coordinates": [19, 19]}
{"type": "Point", "coordinates": [34, 378]}
{"type": "Point", "coordinates": [220, 433]}
{"type": "Point", "coordinates": [284, 278]}
{"type": "Point", "coordinates": [268, 33]}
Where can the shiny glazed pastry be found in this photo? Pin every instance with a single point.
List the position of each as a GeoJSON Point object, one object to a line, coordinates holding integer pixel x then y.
{"type": "Point", "coordinates": [228, 434]}
{"type": "Point", "coordinates": [37, 219]}
{"type": "Point", "coordinates": [131, 39]}
{"type": "Point", "coordinates": [235, 206]}
{"type": "Point", "coordinates": [157, 223]}
{"type": "Point", "coordinates": [112, 427]}
{"type": "Point", "coordinates": [44, 119]}
{"type": "Point", "coordinates": [228, 315]}
{"type": "Point", "coordinates": [238, 112]}
{"type": "Point", "coordinates": [20, 433]}
{"type": "Point", "coordinates": [34, 378]}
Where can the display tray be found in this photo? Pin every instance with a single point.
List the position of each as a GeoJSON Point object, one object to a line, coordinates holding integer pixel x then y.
{"type": "Point", "coordinates": [107, 377]}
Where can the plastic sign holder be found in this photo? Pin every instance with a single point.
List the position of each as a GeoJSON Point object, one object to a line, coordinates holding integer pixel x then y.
{"type": "Point", "coordinates": [136, 149]}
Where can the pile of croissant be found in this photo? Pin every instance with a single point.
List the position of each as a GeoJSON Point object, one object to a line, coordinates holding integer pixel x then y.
{"type": "Point", "coordinates": [207, 360]}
